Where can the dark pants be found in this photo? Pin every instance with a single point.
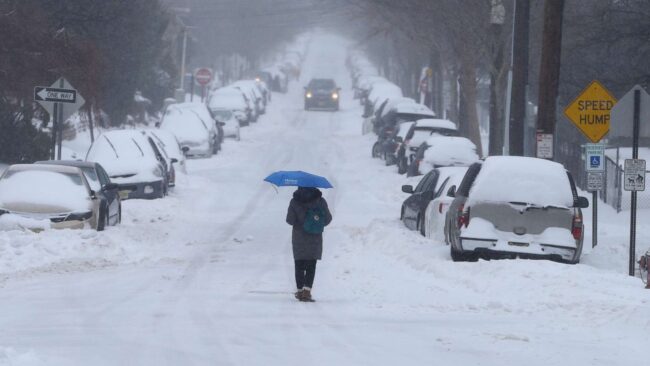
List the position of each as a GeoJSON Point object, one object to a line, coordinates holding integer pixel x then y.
{"type": "Point", "coordinates": [305, 272]}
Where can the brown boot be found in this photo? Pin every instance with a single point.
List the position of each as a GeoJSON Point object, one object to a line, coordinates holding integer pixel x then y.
{"type": "Point", "coordinates": [306, 295]}
{"type": "Point", "coordinates": [297, 294]}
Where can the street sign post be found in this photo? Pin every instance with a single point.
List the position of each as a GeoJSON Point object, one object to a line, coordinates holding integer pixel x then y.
{"type": "Point", "coordinates": [636, 105]}
{"type": "Point", "coordinates": [203, 76]}
{"type": "Point", "coordinates": [60, 100]}
{"type": "Point", "coordinates": [595, 157]}
{"type": "Point", "coordinates": [590, 111]}
{"type": "Point", "coordinates": [634, 175]}
{"type": "Point", "coordinates": [544, 145]}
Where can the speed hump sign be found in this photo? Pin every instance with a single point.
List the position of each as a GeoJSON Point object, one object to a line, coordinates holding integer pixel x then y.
{"type": "Point", "coordinates": [590, 111]}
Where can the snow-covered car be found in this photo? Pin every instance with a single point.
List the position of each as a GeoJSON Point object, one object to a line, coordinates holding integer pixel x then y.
{"type": "Point", "coordinates": [438, 151]}
{"type": "Point", "coordinates": [393, 144]}
{"type": "Point", "coordinates": [194, 128]}
{"type": "Point", "coordinates": [133, 161]}
{"type": "Point", "coordinates": [39, 197]}
{"type": "Point", "coordinates": [418, 134]}
{"type": "Point", "coordinates": [234, 100]}
{"type": "Point", "coordinates": [230, 120]}
{"type": "Point", "coordinates": [378, 93]}
{"type": "Point", "coordinates": [107, 192]}
{"type": "Point", "coordinates": [162, 147]}
{"type": "Point", "coordinates": [322, 94]}
{"type": "Point", "coordinates": [511, 206]}
{"type": "Point", "coordinates": [414, 206]}
{"type": "Point", "coordinates": [436, 211]}
{"type": "Point", "coordinates": [251, 88]}
{"type": "Point", "coordinates": [172, 147]}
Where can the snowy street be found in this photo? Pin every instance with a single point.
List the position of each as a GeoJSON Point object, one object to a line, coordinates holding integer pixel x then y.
{"type": "Point", "coordinates": [205, 276]}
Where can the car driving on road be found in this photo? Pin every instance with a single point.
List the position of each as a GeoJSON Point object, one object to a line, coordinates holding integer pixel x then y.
{"type": "Point", "coordinates": [322, 94]}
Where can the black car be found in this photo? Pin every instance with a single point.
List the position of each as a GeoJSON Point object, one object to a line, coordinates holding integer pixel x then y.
{"type": "Point", "coordinates": [415, 205]}
{"type": "Point", "coordinates": [111, 206]}
{"type": "Point", "coordinates": [322, 94]}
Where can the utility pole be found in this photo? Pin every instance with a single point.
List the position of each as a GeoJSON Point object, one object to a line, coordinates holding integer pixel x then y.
{"type": "Point", "coordinates": [495, 145]}
{"type": "Point", "coordinates": [549, 73]}
{"type": "Point", "coordinates": [519, 77]}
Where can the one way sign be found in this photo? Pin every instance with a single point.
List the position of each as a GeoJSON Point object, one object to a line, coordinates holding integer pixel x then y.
{"type": "Point", "coordinates": [55, 95]}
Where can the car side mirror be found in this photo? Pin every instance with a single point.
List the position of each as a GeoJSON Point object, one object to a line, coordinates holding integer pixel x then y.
{"type": "Point", "coordinates": [93, 195]}
{"type": "Point", "coordinates": [174, 160]}
{"type": "Point", "coordinates": [407, 189]}
{"type": "Point", "coordinates": [582, 202]}
{"type": "Point", "coordinates": [221, 123]}
{"type": "Point", "coordinates": [110, 186]}
{"type": "Point", "coordinates": [451, 192]}
{"type": "Point", "coordinates": [185, 149]}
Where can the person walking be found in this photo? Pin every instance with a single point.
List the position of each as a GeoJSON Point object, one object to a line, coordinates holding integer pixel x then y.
{"type": "Point", "coordinates": [308, 214]}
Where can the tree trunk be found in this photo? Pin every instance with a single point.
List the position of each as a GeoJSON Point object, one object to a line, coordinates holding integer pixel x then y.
{"type": "Point", "coordinates": [519, 78]}
{"type": "Point", "coordinates": [496, 100]}
{"type": "Point", "coordinates": [469, 125]}
{"type": "Point", "coordinates": [452, 113]}
{"type": "Point", "coordinates": [549, 73]}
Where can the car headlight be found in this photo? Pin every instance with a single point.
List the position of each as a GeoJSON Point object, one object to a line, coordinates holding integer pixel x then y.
{"type": "Point", "coordinates": [308, 95]}
{"type": "Point", "coordinates": [158, 172]}
{"type": "Point", "coordinates": [335, 96]}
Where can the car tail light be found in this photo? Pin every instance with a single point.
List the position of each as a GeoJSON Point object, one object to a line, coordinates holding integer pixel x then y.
{"type": "Point", "coordinates": [576, 227]}
{"type": "Point", "coordinates": [463, 216]}
{"type": "Point", "coordinates": [440, 206]}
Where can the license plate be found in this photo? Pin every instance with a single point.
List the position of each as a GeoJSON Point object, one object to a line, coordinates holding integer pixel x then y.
{"type": "Point", "coordinates": [124, 194]}
{"type": "Point", "coordinates": [518, 244]}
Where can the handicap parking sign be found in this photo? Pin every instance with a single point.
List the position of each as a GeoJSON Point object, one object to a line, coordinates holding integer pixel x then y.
{"type": "Point", "coordinates": [594, 161]}
{"type": "Point", "coordinates": [594, 157]}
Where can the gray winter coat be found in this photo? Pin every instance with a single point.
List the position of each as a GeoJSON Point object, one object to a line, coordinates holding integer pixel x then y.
{"type": "Point", "coordinates": [306, 245]}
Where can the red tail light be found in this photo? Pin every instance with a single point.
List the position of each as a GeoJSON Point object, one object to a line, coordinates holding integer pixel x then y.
{"type": "Point", "coordinates": [440, 207]}
{"type": "Point", "coordinates": [463, 216]}
{"type": "Point", "coordinates": [576, 227]}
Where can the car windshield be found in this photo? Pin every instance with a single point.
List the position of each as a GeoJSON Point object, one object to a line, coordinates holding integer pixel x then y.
{"type": "Point", "coordinates": [92, 178]}
{"type": "Point", "coordinates": [222, 114]}
{"type": "Point", "coordinates": [23, 189]}
{"type": "Point", "coordinates": [322, 84]}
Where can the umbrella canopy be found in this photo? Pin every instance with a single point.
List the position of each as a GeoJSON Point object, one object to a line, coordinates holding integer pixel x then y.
{"type": "Point", "coordinates": [297, 178]}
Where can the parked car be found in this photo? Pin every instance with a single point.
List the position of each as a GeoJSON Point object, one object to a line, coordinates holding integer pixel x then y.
{"type": "Point", "coordinates": [393, 146]}
{"type": "Point", "coordinates": [230, 121]}
{"type": "Point", "coordinates": [508, 207]}
{"type": "Point", "coordinates": [436, 211]}
{"type": "Point", "coordinates": [251, 88]}
{"type": "Point", "coordinates": [173, 148]}
{"type": "Point", "coordinates": [233, 100]}
{"type": "Point", "coordinates": [418, 133]}
{"type": "Point", "coordinates": [169, 160]}
{"type": "Point", "coordinates": [194, 128]}
{"type": "Point", "coordinates": [40, 197]}
{"type": "Point", "coordinates": [322, 94]}
{"type": "Point", "coordinates": [133, 161]}
{"type": "Point", "coordinates": [414, 206]}
{"type": "Point", "coordinates": [439, 151]}
{"type": "Point", "coordinates": [107, 192]}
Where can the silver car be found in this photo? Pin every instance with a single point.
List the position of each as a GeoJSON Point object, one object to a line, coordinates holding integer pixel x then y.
{"type": "Point", "coordinates": [39, 197]}
{"type": "Point", "coordinates": [509, 207]}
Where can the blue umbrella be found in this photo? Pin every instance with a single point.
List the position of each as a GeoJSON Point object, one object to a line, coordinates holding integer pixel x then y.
{"type": "Point", "coordinates": [297, 178]}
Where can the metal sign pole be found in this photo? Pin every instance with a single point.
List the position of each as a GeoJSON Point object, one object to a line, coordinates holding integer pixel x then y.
{"type": "Point", "coordinates": [55, 117]}
{"type": "Point", "coordinates": [594, 225]}
{"type": "Point", "coordinates": [635, 155]}
{"type": "Point", "coordinates": [59, 134]}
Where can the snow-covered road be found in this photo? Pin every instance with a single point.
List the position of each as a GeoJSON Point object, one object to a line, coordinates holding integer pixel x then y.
{"type": "Point", "coordinates": [205, 277]}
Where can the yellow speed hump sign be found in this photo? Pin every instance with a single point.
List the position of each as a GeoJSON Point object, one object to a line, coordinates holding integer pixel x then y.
{"type": "Point", "coordinates": [590, 111]}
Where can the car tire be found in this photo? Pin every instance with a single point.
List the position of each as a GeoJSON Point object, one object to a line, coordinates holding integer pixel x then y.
{"type": "Point", "coordinates": [119, 214]}
{"type": "Point", "coordinates": [376, 151]}
{"type": "Point", "coordinates": [456, 256]}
